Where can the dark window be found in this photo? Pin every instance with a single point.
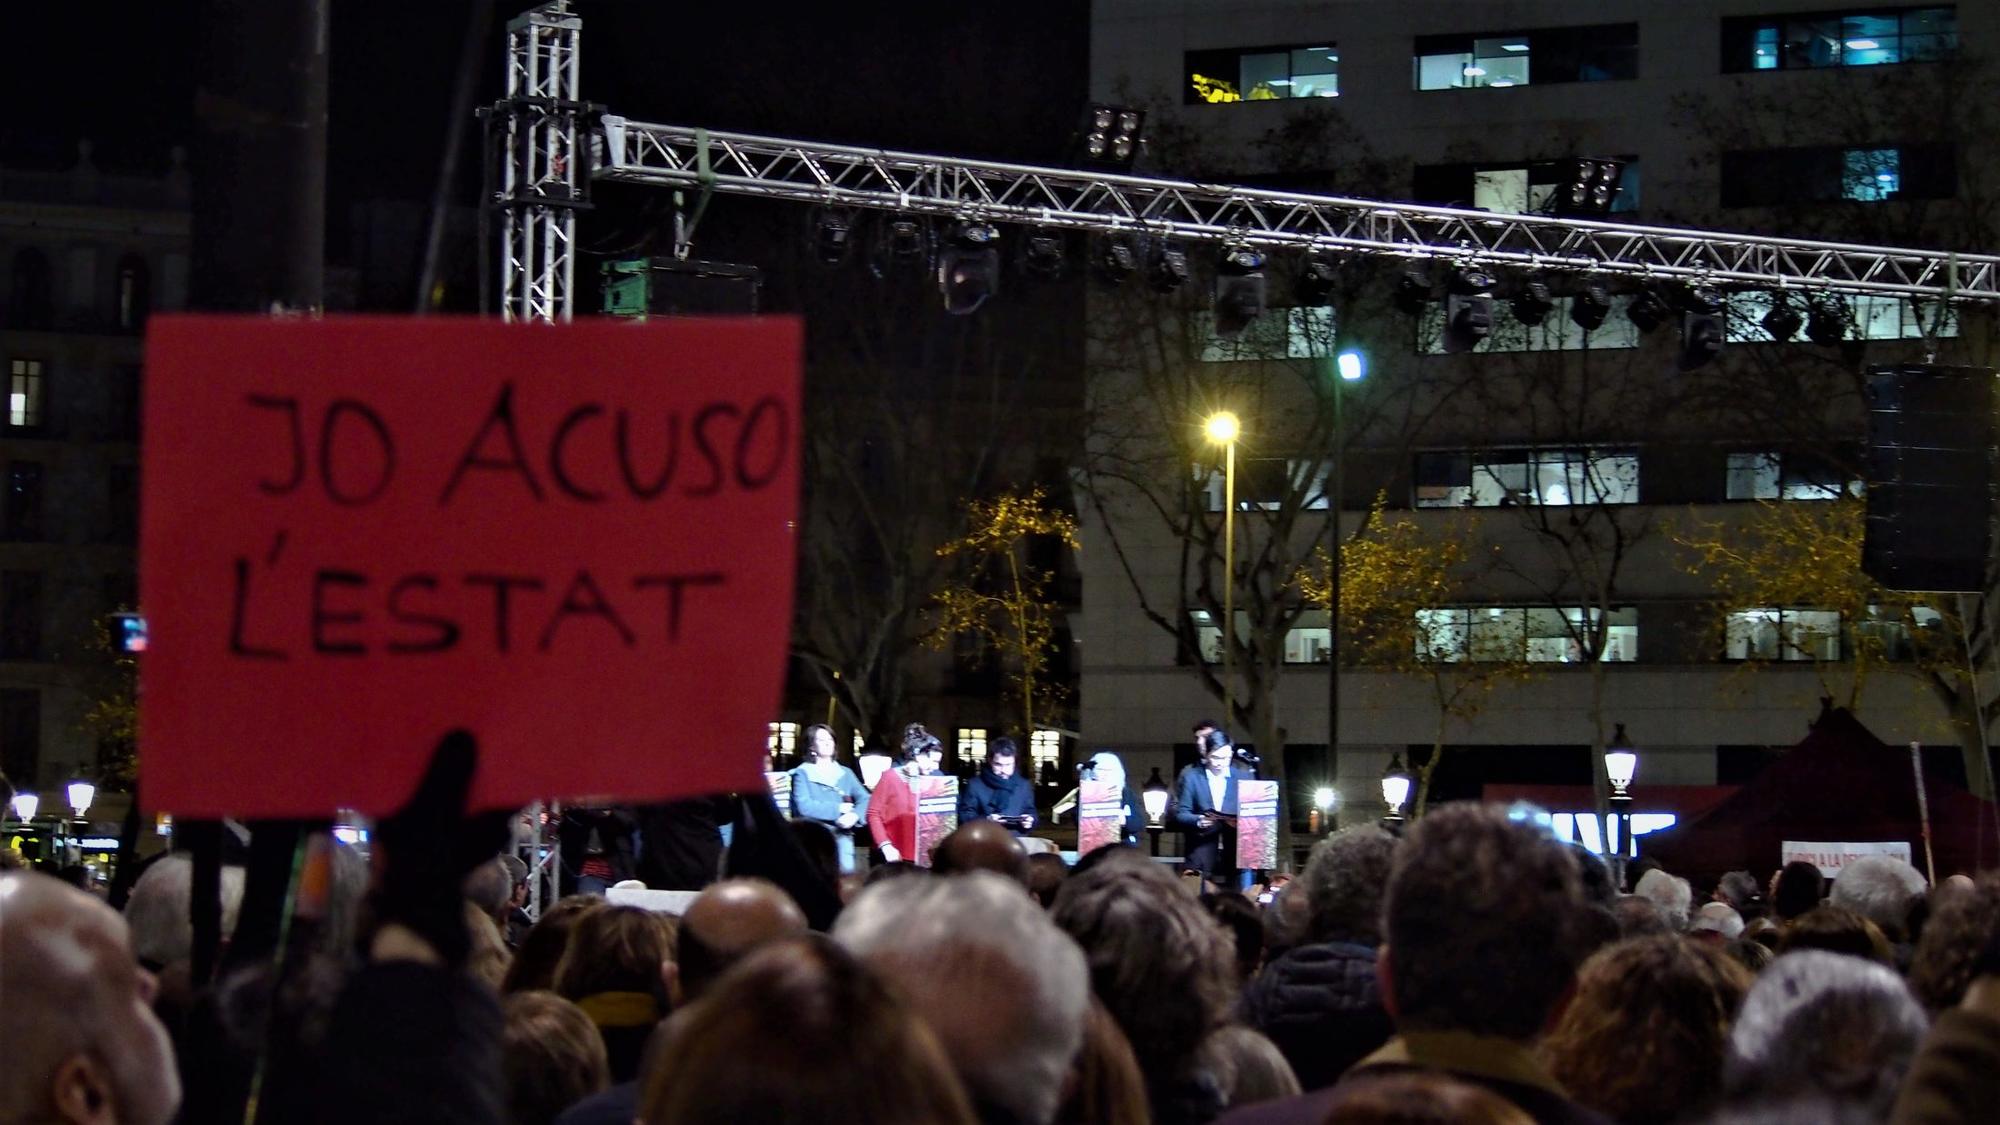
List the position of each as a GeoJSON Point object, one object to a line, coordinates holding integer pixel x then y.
{"type": "Point", "coordinates": [33, 295]}
{"type": "Point", "coordinates": [121, 406]}
{"type": "Point", "coordinates": [20, 614]}
{"type": "Point", "coordinates": [135, 292]}
{"type": "Point", "coordinates": [1864, 174]}
{"type": "Point", "coordinates": [1255, 74]}
{"type": "Point", "coordinates": [121, 508]}
{"type": "Point", "coordinates": [21, 513]}
{"type": "Point", "coordinates": [1808, 40]}
{"type": "Point", "coordinates": [21, 735]}
{"type": "Point", "coordinates": [1498, 59]}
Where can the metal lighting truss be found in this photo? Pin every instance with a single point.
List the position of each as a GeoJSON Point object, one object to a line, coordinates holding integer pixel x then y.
{"type": "Point", "coordinates": [542, 182]}
{"type": "Point", "coordinates": [680, 156]}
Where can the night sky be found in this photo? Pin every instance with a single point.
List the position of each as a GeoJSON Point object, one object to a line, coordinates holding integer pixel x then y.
{"type": "Point", "coordinates": [991, 79]}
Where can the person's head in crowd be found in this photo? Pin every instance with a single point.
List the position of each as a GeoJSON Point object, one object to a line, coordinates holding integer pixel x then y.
{"type": "Point", "coordinates": [1344, 879]}
{"type": "Point", "coordinates": [1639, 916]}
{"type": "Point", "coordinates": [1741, 891]}
{"type": "Point", "coordinates": [1105, 1086]}
{"type": "Point", "coordinates": [1001, 986]}
{"type": "Point", "coordinates": [1003, 758]}
{"type": "Point", "coordinates": [1248, 1067]}
{"type": "Point", "coordinates": [1837, 930]}
{"type": "Point", "coordinates": [1670, 893]}
{"type": "Point", "coordinates": [1243, 922]}
{"type": "Point", "coordinates": [1110, 853]}
{"type": "Point", "coordinates": [1217, 752]}
{"type": "Point", "coordinates": [725, 923]}
{"type": "Point", "coordinates": [1967, 921]}
{"type": "Point", "coordinates": [490, 887]}
{"type": "Point", "coordinates": [1643, 1038]}
{"type": "Point", "coordinates": [619, 968]}
{"type": "Point", "coordinates": [517, 877]}
{"type": "Point", "coordinates": [157, 911]}
{"type": "Point", "coordinates": [487, 958]}
{"type": "Point", "coordinates": [1795, 890]}
{"type": "Point", "coordinates": [802, 1030]}
{"type": "Point", "coordinates": [981, 845]}
{"type": "Point", "coordinates": [1046, 872]}
{"type": "Point", "coordinates": [1764, 932]}
{"type": "Point", "coordinates": [919, 752]}
{"type": "Point", "coordinates": [1286, 920]}
{"type": "Point", "coordinates": [1422, 1097]}
{"type": "Point", "coordinates": [1202, 728]}
{"type": "Point", "coordinates": [1717, 922]}
{"type": "Point", "coordinates": [1598, 887]}
{"type": "Point", "coordinates": [820, 745]}
{"type": "Point", "coordinates": [86, 1046]}
{"type": "Point", "coordinates": [822, 853]}
{"type": "Point", "coordinates": [552, 1057]}
{"type": "Point", "coordinates": [1479, 924]}
{"type": "Point", "coordinates": [1882, 889]}
{"type": "Point", "coordinates": [1106, 766]}
{"type": "Point", "coordinates": [1159, 963]}
{"type": "Point", "coordinates": [883, 872]}
{"type": "Point", "coordinates": [1752, 955]}
{"type": "Point", "coordinates": [535, 962]}
{"type": "Point", "coordinates": [1819, 1023]}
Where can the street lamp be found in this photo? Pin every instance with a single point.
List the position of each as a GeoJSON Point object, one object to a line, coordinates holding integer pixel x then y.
{"type": "Point", "coordinates": [1348, 366]}
{"type": "Point", "coordinates": [1322, 810]}
{"type": "Point", "coordinates": [1395, 791]}
{"type": "Point", "coordinates": [25, 806]}
{"type": "Point", "coordinates": [1154, 796]}
{"type": "Point", "coordinates": [1222, 429]}
{"type": "Point", "coordinates": [81, 793]}
{"type": "Point", "coordinates": [1621, 763]}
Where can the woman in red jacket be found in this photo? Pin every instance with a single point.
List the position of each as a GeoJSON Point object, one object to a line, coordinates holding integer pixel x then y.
{"type": "Point", "coordinates": [892, 811]}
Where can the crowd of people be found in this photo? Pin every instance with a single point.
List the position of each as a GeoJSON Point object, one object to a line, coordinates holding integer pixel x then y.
{"type": "Point", "coordinates": [1470, 969]}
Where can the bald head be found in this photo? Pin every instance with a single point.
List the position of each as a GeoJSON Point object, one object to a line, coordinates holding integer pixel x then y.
{"type": "Point", "coordinates": [982, 845]}
{"type": "Point", "coordinates": [727, 921]}
{"type": "Point", "coordinates": [89, 1047]}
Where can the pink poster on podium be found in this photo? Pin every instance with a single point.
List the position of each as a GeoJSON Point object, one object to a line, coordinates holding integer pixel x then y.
{"type": "Point", "coordinates": [781, 790]}
{"type": "Point", "coordinates": [1257, 824]}
{"type": "Point", "coordinates": [1100, 815]}
{"type": "Point", "coordinates": [937, 813]}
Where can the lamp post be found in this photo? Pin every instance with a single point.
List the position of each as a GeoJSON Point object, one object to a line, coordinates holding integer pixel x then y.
{"type": "Point", "coordinates": [1321, 819]}
{"type": "Point", "coordinates": [1222, 429]}
{"type": "Point", "coordinates": [1395, 792]}
{"type": "Point", "coordinates": [80, 793]}
{"type": "Point", "coordinates": [24, 806]}
{"type": "Point", "coordinates": [1348, 367]}
{"type": "Point", "coordinates": [1621, 763]}
{"type": "Point", "coordinates": [1154, 796]}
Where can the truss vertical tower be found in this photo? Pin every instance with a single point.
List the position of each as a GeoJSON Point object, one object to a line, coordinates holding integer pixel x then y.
{"type": "Point", "coordinates": [543, 177]}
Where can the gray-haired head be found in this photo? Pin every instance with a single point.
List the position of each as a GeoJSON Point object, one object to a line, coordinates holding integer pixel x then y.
{"type": "Point", "coordinates": [1106, 766]}
{"type": "Point", "coordinates": [1881, 889]}
{"type": "Point", "coordinates": [1004, 989]}
{"type": "Point", "coordinates": [1670, 893]}
{"type": "Point", "coordinates": [158, 912]}
{"type": "Point", "coordinates": [1343, 883]}
{"type": "Point", "coordinates": [1820, 1023]}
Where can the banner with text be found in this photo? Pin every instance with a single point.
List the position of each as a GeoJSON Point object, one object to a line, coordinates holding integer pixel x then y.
{"type": "Point", "coordinates": [1257, 824]}
{"type": "Point", "coordinates": [937, 812]}
{"type": "Point", "coordinates": [1831, 857]}
{"type": "Point", "coordinates": [358, 533]}
{"type": "Point", "coordinates": [1100, 820]}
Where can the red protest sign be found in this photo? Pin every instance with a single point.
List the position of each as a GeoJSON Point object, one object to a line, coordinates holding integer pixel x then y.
{"type": "Point", "coordinates": [574, 541]}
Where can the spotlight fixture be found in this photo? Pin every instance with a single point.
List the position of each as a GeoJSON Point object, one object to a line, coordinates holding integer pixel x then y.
{"type": "Point", "coordinates": [1110, 136]}
{"type": "Point", "coordinates": [1590, 187]}
{"type": "Point", "coordinates": [1042, 255]}
{"type": "Point", "coordinates": [1783, 321]}
{"type": "Point", "coordinates": [1590, 306]}
{"type": "Point", "coordinates": [1169, 270]}
{"type": "Point", "coordinates": [1239, 290]}
{"type": "Point", "coordinates": [1647, 311]}
{"type": "Point", "coordinates": [1533, 303]}
{"type": "Point", "coordinates": [1468, 308]}
{"type": "Point", "coordinates": [1826, 322]}
{"type": "Point", "coordinates": [1413, 291]}
{"type": "Point", "coordinates": [1701, 327]}
{"type": "Point", "coordinates": [969, 267]}
{"type": "Point", "coordinates": [1318, 275]}
{"type": "Point", "coordinates": [906, 239]}
{"type": "Point", "coordinates": [833, 237]}
{"type": "Point", "coordinates": [1116, 259]}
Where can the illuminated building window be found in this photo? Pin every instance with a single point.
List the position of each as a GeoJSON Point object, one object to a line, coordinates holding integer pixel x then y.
{"type": "Point", "coordinates": [1256, 74]}
{"type": "Point", "coordinates": [1045, 748]}
{"type": "Point", "coordinates": [972, 745]}
{"type": "Point", "coordinates": [783, 740]}
{"type": "Point", "coordinates": [24, 393]}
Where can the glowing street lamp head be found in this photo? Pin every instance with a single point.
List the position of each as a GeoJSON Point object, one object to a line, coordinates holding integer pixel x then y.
{"type": "Point", "coordinates": [1323, 798]}
{"type": "Point", "coordinates": [1349, 365]}
{"type": "Point", "coordinates": [1221, 427]}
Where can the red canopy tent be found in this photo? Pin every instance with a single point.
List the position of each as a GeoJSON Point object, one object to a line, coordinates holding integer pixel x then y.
{"type": "Point", "coordinates": [1839, 784]}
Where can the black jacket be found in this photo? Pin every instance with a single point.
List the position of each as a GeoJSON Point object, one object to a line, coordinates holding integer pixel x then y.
{"type": "Point", "coordinates": [988, 795]}
{"type": "Point", "coordinates": [1321, 1005]}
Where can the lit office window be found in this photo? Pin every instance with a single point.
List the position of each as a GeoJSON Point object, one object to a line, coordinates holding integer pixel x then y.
{"type": "Point", "coordinates": [1771, 475]}
{"type": "Point", "coordinates": [1045, 748]}
{"type": "Point", "coordinates": [1512, 477]}
{"type": "Point", "coordinates": [1308, 641]}
{"type": "Point", "coordinates": [1812, 40]}
{"type": "Point", "coordinates": [1255, 74]}
{"type": "Point", "coordinates": [24, 393]}
{"type": "Point", "coordinates": [1772, 633]}
{"type": "Point", "coordinates": [1538, 634]}
{"type": "Point", "coordinates": [1497, 60]}
{"type": "Point", "coordinates": [972, 745]}
{"type": "Point", "coordinates": [783, 739]}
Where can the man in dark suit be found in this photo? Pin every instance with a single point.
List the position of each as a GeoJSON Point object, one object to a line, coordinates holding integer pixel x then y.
{"type": "Point", "coordinates": [1204, 809]}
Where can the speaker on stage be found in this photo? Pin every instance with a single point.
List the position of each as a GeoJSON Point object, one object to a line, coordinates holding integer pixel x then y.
{"type": "Point", "coordinates": [1930, 462]}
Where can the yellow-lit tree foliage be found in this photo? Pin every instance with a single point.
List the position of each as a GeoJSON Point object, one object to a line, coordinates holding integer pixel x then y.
{"type": "Point", "coordinates": [996, 594]}
{"type": "Point", "coordinates": [1396, 581]}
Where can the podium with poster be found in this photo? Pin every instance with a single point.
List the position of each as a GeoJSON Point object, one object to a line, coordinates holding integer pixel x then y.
{"type": "Point", "coordinates": [1257, 825]}
{"type": "Point", "coordinates": [1100, 820]}
{"type": "Point", "coordinates": [937, 813]}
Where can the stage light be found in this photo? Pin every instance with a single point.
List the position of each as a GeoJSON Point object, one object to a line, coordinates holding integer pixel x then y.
{"type": "Point", "coordinates": [1042, 255]}
{"type": "Point", "coordinates": [833, 237]}
{"type": "Point", "coordinates": [1590, 187]}
{"type": "Point", "coordinates": [1532, 303]}
{"type": "Point", "coordinates": [1590, 306]}
{"type": "Point", "coordinates": [1701, 328]}
{"type": "Point", "coordinates": [1647, 311]}
{"type": "Point", "coordinates": [1826, 322]}
{"type": "Point", "coordinates": [906, 239]}
{"type": "Point", "coordinates": [1468, 309]}
{"type": "Point", "coordinates": [1413, 291]}
{"type": "Point", "coordinates": [1169, 270]}
{"type": "Point", "coordinates": [1116, 260]}
{"type": "Point", "coordinates": [1239, 290]}
{"type": "Point", "coordinates": [1318, 275]}
{"type": "Point", "coordinates": [1110, 136]}
{"type": "Point", "coordinates": [969, 267]}
{"type": "Point", "coordinates": [1783, 321]}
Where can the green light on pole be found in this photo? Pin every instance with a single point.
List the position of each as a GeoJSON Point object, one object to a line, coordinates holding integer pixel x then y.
{"type": "Point", "coordinates": [1350, 366]}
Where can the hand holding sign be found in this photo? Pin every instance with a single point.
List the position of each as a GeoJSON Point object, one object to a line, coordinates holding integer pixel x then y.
{"type": "Point", "coordinates": [573, 540]}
